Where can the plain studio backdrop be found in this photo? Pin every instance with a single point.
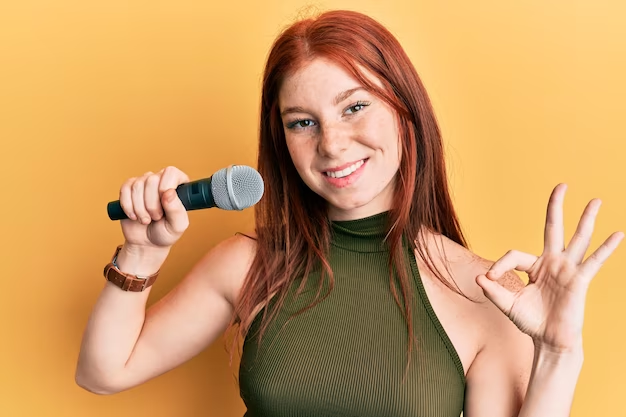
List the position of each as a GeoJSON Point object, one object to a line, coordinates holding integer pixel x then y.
{"type": "Point", "coordinates": [528, 94]}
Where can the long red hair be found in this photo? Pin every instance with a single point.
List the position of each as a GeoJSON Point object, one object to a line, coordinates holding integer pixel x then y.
{"type": "Point", "coordinates": [292, 226]}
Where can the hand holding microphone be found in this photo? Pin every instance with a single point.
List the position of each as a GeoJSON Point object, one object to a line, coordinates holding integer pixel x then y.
{"type": "Point", "coordinates": [153, 208]}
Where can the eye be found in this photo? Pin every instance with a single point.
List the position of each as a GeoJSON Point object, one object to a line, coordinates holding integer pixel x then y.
{"type": "Point", "coordinates": [300, 124]}
{"type": "Point", "coordinates": [360, 105]}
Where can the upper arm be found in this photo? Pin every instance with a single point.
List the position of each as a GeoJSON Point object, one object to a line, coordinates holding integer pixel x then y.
{"type": "Point", "coordinates": [498, 377]}
{"type": "Point", "coordinates": [192, 315]}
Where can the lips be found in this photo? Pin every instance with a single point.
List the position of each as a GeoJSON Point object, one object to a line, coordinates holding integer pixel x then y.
{"type": "Point", "coordinates": [344, 170]}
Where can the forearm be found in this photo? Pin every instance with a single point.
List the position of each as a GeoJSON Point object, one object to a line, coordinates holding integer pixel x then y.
{"type": "Point", "coordinates": [115, 324]}
{"type": "Point", "coordinates": [552, 383]}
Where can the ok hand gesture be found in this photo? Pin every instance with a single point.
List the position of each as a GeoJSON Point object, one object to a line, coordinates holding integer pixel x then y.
{"type": "Point", "coordinates": [551, 307]}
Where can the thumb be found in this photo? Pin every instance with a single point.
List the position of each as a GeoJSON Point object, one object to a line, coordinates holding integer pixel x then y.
{"type": "Point", "coordinates": [500, 296]}
{"type": "Point", "coordinates": [175, 213]}
{"type": "Point", "coordinates": [168, 199]}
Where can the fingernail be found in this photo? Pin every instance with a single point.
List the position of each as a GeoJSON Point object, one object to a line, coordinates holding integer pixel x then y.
{"type": "Point", "coordinates": [145, 220]}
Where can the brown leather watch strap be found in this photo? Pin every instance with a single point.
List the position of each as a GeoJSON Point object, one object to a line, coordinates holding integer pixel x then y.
{"type": "Point", "coordinates": [127, 282]}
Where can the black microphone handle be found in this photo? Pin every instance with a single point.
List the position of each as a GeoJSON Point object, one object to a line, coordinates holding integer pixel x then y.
{"type": "Point", "coordinates": [194, 195]}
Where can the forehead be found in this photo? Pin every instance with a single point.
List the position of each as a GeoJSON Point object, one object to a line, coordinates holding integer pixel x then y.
{"type": "Point", "coordinates": [320, 79]}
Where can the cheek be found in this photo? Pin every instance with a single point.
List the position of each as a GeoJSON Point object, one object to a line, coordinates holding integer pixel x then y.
{"type": "Point", "coordinates": [397, 146]}
{"type": "Point", "coordinates": [392, 138]}
{"type": "Point", "coordinates": [300, 156]}
{"type": "Point", "coordinates": [382, 133]}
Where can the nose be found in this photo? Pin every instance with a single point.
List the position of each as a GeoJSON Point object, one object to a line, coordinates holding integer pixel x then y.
{"type": "Point", "coordinates": [333, 141]}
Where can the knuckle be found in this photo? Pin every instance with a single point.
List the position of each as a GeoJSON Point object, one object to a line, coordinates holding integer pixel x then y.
{"type": "Point", "coordinates": [137, 186]}
{"type": "Point", "coordinates": [153, 177]}
{"type": "Point", "coordinates": [153, 181]}
{"type": "Point", "coordinates": [127, 184]}
{"type": "Point", "coordinates": [178, 174]}
{"type": "Point", "coordinates": [163, 187]}
{"type": "Point", "coordinates": [169, 178]}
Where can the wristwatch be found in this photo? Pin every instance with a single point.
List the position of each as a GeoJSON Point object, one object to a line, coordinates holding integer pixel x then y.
{"type": "Point", "coordinates": [127, 282]}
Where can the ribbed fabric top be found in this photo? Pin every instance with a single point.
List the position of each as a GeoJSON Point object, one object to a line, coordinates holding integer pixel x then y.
{"type": "Point", "coordinates": [347, 356]}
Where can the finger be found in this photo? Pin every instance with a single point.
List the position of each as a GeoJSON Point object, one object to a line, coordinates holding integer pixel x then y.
{"type": "Point", "coordinates": [176, 217]}
{"type": "Point", "coordinates": [500, 296]}
{"type": "Point", "coordinates": [172, 177]}
{"type": "Point", "coordinates": [175, 213]}
{"type": "Point", "coordinates": [137, 195]}
{"type": "Point", "coordinates": [126, 201]}
{"type": "Point", "coordinates": [152, 197]}
{"type": "Point", "coordinates": [594, 262]}
{"type": "Point", "coordinates": [513, 259]}
{"type": "Point", "coordinates": [579, 243]}
{"type": "Point", "coordinates": [553, 232]}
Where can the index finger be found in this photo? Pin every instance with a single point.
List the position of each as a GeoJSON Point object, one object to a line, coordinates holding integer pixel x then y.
{"type": "Point", "coordinates": [171, 177]}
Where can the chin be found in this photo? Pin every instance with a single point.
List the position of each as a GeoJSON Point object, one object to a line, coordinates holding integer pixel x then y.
{"type": "Point", "coordinates": [352, 204]}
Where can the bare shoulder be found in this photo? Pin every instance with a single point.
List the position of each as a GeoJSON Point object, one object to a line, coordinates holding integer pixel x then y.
{"type": "Point", "coordinates": [226, 265]}
{"type": "Point", "coordinates": [465, 266]}
{"type": "Point", "coordinates": [476, 327]}
{"type": "Point", "coordinates": [503, 358]}
{"type": "Point", "coordinates": [499, 330]}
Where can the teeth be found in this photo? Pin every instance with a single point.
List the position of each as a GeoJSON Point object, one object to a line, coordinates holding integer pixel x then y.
{"type": "Point", "coordinates": [345, 172]}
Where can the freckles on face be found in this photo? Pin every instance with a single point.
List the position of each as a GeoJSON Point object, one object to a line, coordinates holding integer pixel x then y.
{"type": "Point", "coordinates": [343, 140]}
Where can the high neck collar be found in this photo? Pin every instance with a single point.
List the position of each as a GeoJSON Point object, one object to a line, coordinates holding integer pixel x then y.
{"type": "Point", "coordinates": [361, 235]}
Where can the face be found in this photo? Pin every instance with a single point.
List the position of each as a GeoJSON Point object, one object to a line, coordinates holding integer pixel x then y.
{"type": "Point", "coordinates": [343, 140]}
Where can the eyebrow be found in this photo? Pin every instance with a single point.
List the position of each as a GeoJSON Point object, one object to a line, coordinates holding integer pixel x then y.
{"type": "Point", "coordinates": [344, 95]}
{"type": "Point", "coordinates": [338, 99]}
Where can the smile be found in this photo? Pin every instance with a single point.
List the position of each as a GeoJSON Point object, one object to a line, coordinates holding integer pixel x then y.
{"type": "Point", "coordinates": [346, 171]}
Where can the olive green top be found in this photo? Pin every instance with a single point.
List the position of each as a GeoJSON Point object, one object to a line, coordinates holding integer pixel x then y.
{"type": "Point", "coordinates": [347, 356]}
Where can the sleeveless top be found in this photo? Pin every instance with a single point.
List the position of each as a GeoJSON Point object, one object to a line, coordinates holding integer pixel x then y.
{"type": "Point", "coordinates": [347, 356]}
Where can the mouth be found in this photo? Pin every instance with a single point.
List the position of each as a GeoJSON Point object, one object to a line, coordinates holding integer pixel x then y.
{"type": "Point", "coordinates": [345, 171]}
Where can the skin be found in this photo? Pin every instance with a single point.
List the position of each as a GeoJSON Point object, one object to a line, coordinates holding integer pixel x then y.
{"type": "Point", "coordinates": [520, 345]}
{"type": "Point", "coordinates": [322, 134]}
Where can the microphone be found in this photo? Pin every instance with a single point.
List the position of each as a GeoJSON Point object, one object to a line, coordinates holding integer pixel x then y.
{"type": "Point", "coordinates": [235, 187]}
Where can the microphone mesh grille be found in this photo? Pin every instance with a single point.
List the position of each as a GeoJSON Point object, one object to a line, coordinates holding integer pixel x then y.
{"type": "Point", "coordinates": [247, 187]}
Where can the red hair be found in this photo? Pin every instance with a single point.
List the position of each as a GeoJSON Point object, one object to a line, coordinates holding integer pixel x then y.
{"type": "Point", "coordinates": [293, 229]}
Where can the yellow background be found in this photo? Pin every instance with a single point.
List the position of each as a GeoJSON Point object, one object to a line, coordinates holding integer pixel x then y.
{"type": "Point", "coordinates": [528, 93]}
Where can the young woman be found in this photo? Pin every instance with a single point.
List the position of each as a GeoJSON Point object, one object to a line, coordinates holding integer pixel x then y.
{"type": "Point", "coordinates": [357, 296]}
